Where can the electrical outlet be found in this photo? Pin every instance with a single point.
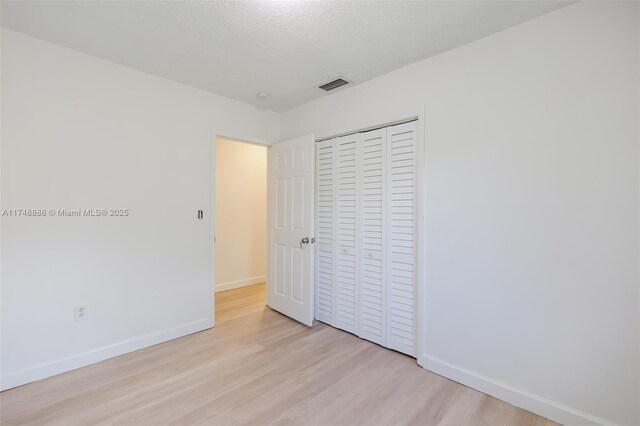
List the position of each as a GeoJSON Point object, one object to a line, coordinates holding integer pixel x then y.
{"type": "Point", "coordinates": [80, 312]}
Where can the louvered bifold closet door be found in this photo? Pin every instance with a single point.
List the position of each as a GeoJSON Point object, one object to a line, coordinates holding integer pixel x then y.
{"type": "Point", "coordinates": [401, 225]}
{"type": "Point", "coordinates": [371, 233]}
{"type": "Point", "coordinates": [325, 201]}
{"type": "Point", "coordinates": [346, 291]}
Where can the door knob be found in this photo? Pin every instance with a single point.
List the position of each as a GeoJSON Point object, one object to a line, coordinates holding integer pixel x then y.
{"type": "Point", "coordinates": [306, 240]}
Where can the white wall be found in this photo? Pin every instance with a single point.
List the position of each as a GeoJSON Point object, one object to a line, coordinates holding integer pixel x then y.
{"type": "Point", "coordinates": [532, 191]}
{"type": "Point", "coordinates": [79, 132]}
{"type": "Point", "coordinates": [241, 214]}
{"type": "Point", "coordinates": [532, 217]}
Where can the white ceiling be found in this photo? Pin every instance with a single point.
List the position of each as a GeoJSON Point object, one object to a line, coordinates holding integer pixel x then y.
{"type": "Point", "coordinates": [238, 49]}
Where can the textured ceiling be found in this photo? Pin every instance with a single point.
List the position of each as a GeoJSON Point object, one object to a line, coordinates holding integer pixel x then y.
{"type": "Point", "coordinates": [287, 49]}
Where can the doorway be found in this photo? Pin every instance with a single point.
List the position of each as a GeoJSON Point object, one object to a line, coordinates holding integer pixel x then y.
{"type": "Point", "coordinates": [240, 227]}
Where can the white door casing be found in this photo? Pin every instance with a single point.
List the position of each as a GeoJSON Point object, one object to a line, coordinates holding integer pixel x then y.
{"type": "Point", "coordinates": [290, 276]}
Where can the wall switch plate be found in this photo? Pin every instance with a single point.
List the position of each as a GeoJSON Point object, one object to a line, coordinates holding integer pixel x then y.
{"type": "Point", "coordinates": [80, 312]}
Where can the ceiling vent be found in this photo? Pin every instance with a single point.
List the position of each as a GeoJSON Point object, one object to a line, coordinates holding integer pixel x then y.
{"type": "Point", "coordinates": [334, 84]}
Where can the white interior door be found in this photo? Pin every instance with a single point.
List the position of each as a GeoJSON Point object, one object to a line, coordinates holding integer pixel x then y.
{"type": "Point", "coordinates": [371, 210]}
{"type": "Point", "coordinates": [367, 227]}
{"type": "Point", "coordinates": [401, 231]}
{"type": "Point", "coordinates": [326, 202]}
{"type": "Point", "coordinates": [346, 304]}
{"type": "Point", "coordinates": [291, 198]}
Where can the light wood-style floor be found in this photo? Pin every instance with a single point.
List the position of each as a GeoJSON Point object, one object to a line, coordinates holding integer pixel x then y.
{"type": "Point", "coordinates": [257, 367]}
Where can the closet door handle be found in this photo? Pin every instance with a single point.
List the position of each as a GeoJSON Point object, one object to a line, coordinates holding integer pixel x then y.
{"type": "Point", "coordinates": [304, 240]}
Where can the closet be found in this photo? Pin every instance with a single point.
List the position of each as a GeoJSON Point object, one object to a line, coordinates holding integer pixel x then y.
{"type": "Point", "coordinates": [366, 221]}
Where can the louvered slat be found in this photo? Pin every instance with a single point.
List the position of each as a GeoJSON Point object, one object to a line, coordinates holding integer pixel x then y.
{"type": "Point", "coordinates": [345, 303]}
{"type": "Point", "coordinates": [325, 187]}
{"type": "Point", "coordinates": [365, 235]}
{"type": "Point", "coordinates": [401, 199]}
{"type": "Point", "coordinates": [371, 235]}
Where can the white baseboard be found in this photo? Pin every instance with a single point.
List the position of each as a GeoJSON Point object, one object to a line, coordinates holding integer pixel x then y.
{"type": "Point", "coordinates": [550, 409]}
{"type": "Point", "coordinates": [230, 285]}
{"type": "Point", "coordinates": [42, 371]}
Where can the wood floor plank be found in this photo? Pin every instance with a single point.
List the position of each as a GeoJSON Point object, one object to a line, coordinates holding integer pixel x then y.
{"type": "Point", "coordinates": [257, 367]}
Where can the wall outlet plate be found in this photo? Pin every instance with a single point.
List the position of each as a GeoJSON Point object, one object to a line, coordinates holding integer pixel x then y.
{"type": "Point", "coordinates": [80, 312]}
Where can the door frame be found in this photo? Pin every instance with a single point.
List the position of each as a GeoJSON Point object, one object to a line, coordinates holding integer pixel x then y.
{"type": "Point", "coordinates": [212, 209]}
{"type": "Point", "coordinates": [421, 235]}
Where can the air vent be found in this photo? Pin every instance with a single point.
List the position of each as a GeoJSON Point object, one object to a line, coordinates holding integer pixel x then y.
{"type": "Point", "coordinates": [338, 82]}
